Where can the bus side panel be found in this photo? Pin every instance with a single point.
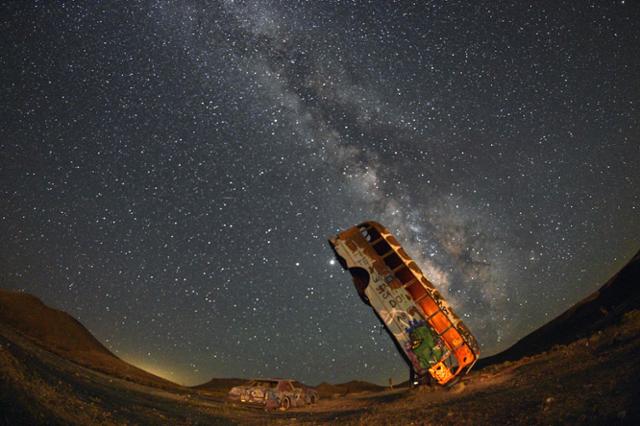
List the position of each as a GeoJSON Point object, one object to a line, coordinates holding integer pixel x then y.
{"type": "Point", "coordinates": [391, 271]}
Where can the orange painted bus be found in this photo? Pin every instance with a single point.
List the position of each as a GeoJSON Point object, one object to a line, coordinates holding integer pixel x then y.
{"type": "Point", "coordinates": [430, 336]}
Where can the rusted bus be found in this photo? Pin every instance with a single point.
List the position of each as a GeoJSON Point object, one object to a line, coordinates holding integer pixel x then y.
{"type": "Point", "coordinates": [405, 300]}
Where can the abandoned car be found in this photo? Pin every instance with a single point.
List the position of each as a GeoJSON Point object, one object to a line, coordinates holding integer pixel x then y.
{"type": "Point", "coordinates": [273, 394]}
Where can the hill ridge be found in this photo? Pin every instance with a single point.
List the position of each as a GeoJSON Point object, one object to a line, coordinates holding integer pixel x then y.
{"type": "Point", "coordinates": [603, 307]}
{"type": "Point", "coordinates": [59, 332]}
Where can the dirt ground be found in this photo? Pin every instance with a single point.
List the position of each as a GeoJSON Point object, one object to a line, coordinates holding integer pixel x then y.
{"type": "Point", "coordinates": [595, 380]}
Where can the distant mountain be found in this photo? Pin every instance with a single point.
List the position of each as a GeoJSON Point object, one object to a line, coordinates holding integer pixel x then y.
{"type": "Point", "coordinates": [220, 387]}
{"type": "Point", "coordinates": [601, 309]}
{"type": "Point", "coordinates": [327, 389]}
{"type": "Point", "coordinates": [215, 384]}
{"type": "Point", "coordinates": [60, 333]}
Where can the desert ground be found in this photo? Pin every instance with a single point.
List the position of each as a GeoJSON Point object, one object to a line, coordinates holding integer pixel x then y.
{"type": "Point", "coordinates": [581, 368]}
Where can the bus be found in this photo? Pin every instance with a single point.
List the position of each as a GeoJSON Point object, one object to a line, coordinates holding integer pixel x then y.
{"type": "Point", "coordinates": [431, 337]}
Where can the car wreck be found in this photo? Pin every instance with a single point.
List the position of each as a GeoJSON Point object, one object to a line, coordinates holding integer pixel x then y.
{"type": "Point", "coordinates": [431, 337]}
{"type": "Point", "coordinates": [272, 394]}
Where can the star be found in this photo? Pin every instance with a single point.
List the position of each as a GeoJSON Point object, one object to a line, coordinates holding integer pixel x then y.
{"type": "Point", "coordinates": [171, 173]}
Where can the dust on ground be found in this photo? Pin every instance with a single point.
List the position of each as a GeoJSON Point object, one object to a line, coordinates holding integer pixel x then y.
{"type": "Point", "coordinates": [593, 380]}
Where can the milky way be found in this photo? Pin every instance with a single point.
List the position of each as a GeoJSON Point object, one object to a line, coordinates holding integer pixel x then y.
{"type": "Point", "coordinates": [171, 170]}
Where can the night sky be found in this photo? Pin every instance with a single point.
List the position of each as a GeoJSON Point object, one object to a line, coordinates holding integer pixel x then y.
{"type": "Point", "coordinates": [170, 171]}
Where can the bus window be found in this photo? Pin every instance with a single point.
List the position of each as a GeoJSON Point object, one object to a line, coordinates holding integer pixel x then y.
{"type": "Point", "coordinates": [405, 275]}
{"type": "Point", "coordinates": [375, 235]}
{"type": "Point", "coordinates": [393, 260]}
{"type": "Point", "coordinates": [365, 233]}
{"type": "Point", "coordinates": [382, 248]}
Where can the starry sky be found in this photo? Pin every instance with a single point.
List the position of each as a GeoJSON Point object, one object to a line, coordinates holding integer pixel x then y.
{"type": "Point", "coordinates": [170, 171]}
